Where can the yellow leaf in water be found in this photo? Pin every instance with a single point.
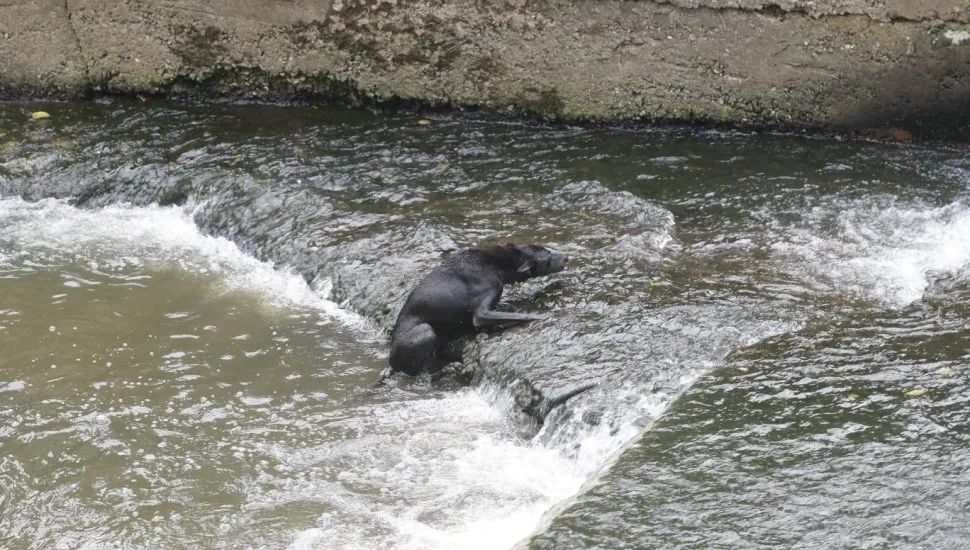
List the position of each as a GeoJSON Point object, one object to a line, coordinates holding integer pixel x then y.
{"type": "Point", "coordinates": [853, 396]}
{"type": "Point", "coordinates": [424, 122]}
{"type": "Point", "coordinates": [39, 114]}
{"type": "Point", "coordinates": [742, 369]}
{"type": "Point", "coordinates": [915, 392]}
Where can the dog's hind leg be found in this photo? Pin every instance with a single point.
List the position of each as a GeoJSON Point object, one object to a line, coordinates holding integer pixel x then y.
{"type": "Point", "coordinates": [413, 350]}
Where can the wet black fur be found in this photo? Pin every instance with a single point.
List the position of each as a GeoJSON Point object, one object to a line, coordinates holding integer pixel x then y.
{"type": "Point", "coordinates": [459, 296]}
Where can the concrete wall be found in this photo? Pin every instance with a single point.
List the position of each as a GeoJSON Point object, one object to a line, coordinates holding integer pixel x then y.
{"type": "Point", "coordinates": [860, 63]}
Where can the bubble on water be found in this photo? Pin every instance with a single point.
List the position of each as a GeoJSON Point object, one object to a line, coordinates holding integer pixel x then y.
{"type": "Point", "coordinates": [16, 385]}
{"type": "Point", "coordinates": [254, 401]}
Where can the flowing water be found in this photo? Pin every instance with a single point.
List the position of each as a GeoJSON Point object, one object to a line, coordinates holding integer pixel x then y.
{"type": "Point", "coordinates": [194, 303]}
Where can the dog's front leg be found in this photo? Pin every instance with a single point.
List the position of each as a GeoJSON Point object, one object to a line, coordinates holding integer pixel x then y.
{"type": "Point", "coordinates": [484, 316]}
{"type": "Point", "coordinates": [490, 318]}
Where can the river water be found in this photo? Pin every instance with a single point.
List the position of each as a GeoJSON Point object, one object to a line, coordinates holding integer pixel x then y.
{"type": "Point", "coordinates": [194, 303]}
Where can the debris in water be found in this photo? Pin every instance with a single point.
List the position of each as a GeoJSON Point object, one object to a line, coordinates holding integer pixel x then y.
{"type": "Point", "coordinates": [944, 371]}
{"type": "Point", "coordinates": [853, 396]}
{"type": "Point", "coordinates": [742, 369]}
{"type": "Point", "coordinates": [895, 135]}
{"type": "Point", "coordinates": [424, 122]}
{"type": "Point", "coordinates": [916, 392]}
{"type": "Point", "coordinates": [36, 115]}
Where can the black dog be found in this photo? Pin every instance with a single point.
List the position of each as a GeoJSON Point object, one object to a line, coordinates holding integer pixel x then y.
{"type": "Point", "coordinates": [459, 296]}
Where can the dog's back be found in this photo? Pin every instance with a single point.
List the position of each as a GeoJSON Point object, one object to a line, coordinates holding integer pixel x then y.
{"type": "Point", "coordinates": [443, 299]}
{"type": "Point", "coordinates": [458, 296]}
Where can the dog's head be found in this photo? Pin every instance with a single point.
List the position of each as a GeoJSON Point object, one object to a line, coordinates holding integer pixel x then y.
{"type": "Point", "coordinates": [537, 261]}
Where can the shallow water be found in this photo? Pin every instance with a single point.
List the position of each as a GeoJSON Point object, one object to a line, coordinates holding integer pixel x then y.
{"type": "Point", "coordinates": [195, 302]}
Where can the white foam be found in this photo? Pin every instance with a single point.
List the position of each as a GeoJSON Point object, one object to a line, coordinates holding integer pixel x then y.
{"type": "Point", "coordinates": [877, 249]}
{"type": "Point", "coordinates": [51, 231]}
{"type": "Point", "coordinates": [462, 480]}
{"type": "Point", "coordinates": [451, 473]}
{"type": "Point", "coordinates": [16, 385]}
{"type": "Point", "coordinates": [307, 539]}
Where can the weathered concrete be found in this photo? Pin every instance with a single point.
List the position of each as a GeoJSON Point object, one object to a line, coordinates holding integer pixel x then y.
{"type": "Point", "coordinates": [860, 63]}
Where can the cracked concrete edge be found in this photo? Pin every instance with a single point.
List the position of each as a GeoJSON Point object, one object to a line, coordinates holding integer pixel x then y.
{"type": "Point", "coordinates": [877, 10]}
{"type": "Point", "coordinates": [68, 14]}
{"type": "Point", "coordinates": [848, 63]}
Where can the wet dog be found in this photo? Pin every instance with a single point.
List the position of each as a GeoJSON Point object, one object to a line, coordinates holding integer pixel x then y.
{"type": "Point", "coordinates": [459, 296]}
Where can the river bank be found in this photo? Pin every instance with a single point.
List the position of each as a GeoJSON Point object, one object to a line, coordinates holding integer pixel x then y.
{"type": "Point", "coordinates": [839, 64]}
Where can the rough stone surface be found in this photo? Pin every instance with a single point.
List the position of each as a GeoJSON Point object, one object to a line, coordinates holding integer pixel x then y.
{"type": "Point", "coordinates": [39, 52]}
{"type": "Point", "coordinates": [857, 63]}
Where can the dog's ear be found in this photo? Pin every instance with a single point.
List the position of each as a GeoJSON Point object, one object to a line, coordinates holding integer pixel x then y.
{"type": "Point", "coordinates": [523, 258]}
